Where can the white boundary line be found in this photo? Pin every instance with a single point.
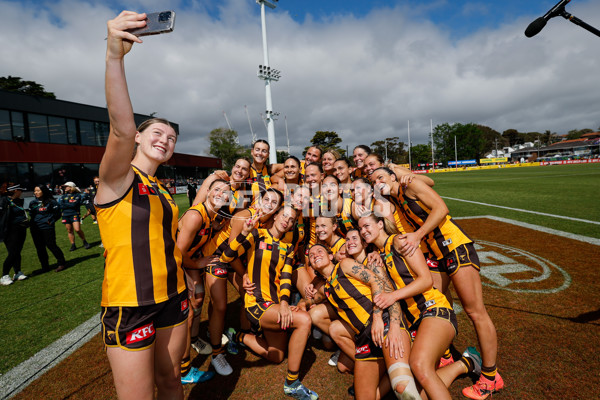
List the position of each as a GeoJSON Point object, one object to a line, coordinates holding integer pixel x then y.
{"type": "Point", "coordinates": [522, 210]}
{"type": "Point", "coordinates": [18, 378]}
{"type": "Point", "coordinates": [573, 236]}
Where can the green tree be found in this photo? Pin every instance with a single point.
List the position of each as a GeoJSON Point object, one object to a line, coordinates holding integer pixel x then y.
{"type": "Point", "coordinates": [395, 149]}
{"type": "Point", "coordinates": [224, 144]}
{"type": "Point", "coordinates": [326, 140]}
{"type": "Point", "coordinates": [470, 142]}
{"type": "Point", "coordinates": [549, 137]}
{"type": "Point", "coordinates": [577, 133]}
{"type": "Point", "coordinates": [420, 154]}
{"type": "Point", "coordinates": [281, 156]}
{"type": "Point", "coordinates": [16, 84]}
{"type": "Point", "coordinates": [513, 137]}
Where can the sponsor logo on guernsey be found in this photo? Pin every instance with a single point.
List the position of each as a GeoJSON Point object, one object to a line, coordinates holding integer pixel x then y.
{"type": "Point", "coordinates": [143, 189]}
{"type": "Point", "coordinates": [141, 333]}
{"type": "Point", "coordinates": [363, 349]}
{"type": "Point", "coordinates": [203, 232]}
{"type": "Point", "coordinates": [446, 243]}
{"type": "Point", "coordinates": [184, 305]}
{"type": "Point", "coordinates": [430, 303]}
{"type": "Point", "coordinates": [220, 271]}
{"type": "Point", "coordinates": [432, 263]}
{"type": "Point", "coordinates": [265, 246]}
{"type": "Point", "coordinates": [266, 304]}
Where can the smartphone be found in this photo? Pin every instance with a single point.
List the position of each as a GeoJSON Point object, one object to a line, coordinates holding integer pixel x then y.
{"type": "Point", "coordinates": [156, 23]}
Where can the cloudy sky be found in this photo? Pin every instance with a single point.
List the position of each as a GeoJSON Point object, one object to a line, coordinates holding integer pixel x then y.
{"type": "Point", "coordinates": [362, 68]}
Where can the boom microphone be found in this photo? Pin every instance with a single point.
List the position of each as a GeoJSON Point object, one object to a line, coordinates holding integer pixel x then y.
{"type": "Point", "coordinates": [536, 26]}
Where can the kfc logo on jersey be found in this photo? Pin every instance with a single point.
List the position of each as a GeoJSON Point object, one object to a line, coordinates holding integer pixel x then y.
{"type": "Point", "coordinates": [203, 232]}
{"type": "Point", "coordinates": [220, 272]}
{"type": "Point", "coordinates": [140, 334]}
{"type": "Point", "coordinates": [184, 305]}
{"type": "Point", "coordinates": [432, 263]}
{"type": "Point", "coordinates": [363, 350]}
{"type": "Point", "coordinates": [266, 304]}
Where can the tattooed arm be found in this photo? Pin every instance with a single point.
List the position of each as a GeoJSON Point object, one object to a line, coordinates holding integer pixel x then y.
{"type": "Point", "coordinates": [381, 284]}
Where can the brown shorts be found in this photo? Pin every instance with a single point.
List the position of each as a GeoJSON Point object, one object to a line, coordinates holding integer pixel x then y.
{"type": "Point", "coordinates": [447, 314]}
{"type": "Point", "coordinates": [134, 328]}
{"type": "Point", "coordinates": [254, 314]}
{"type": "Point", "coordinates": [462, 256]}
{"type": "Point", "coordinates": [365, 349]}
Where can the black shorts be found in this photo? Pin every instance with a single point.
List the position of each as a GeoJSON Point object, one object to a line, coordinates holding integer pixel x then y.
{"type": "Point", "coordinates": [69, 219]}
{"type": "Point", "coordinates": [447, 314]}
{"type": "Point", "coordinates": [254, 314]}
{"type": "Point", "coordinates": [462, 256]}
{"type": "Point", "coordinates": [365, 349]}
{"type": "Point", "coordinates": [134, 328]}
{"type": "Point", "coordinates": [220, 270]}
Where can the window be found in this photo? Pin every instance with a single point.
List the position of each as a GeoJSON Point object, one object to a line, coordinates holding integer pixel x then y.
{"type": "Point", "coordinates": [72, 131]}
{"type": "Point", "coordinates": [42, 174]}
{"type": "Point", "coordinates": [5, 131]}
{"type": "Point", "coordinates": [38, 128]}
{"type": "Point", "coordinates": [18, 127]}
{"type": "Point", "coordinates": [86, 133]}
{"type": "Point", "coordinates": [57, 130]}
{"type": "Point", "coordinates": [101, 129]}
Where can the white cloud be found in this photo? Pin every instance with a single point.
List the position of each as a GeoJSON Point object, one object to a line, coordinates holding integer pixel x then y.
{"type": "Point", "coordinates": [362, 77]}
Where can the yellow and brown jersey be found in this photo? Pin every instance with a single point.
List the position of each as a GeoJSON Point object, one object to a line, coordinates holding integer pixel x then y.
{"type": "Point", "coordinates": [357, 173]}
{"type": "Point", "coordinates": [337, 245]}
{"type": "Point", "coordinates": [345, 220]}
{"type": "Point", "coordinates": [204, 232]}
{"type": "Point", "coordinates": [295, 237]}
{"type": "Point", "coordinates": [401, 276]}
{"type": "Point", "coordinates": [269, 265]}
{"type": "Point", "coordinates": [351, 298]}
{"type": "Point", "coordinates": [260, 180]}
{"type": "Point", "coordinates": [440, 242]}
{"type": "Point", "coordinates": [219, 241]}
{"type": "Point", "coordinates": [143, 263]}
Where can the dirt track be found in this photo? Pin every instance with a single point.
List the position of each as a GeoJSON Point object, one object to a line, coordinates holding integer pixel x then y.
{"type": "Point", "coordinates": [549, 339]}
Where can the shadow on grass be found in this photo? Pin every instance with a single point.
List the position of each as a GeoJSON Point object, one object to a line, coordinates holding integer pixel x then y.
{"type": "Point", "coordinates": [585, 318]}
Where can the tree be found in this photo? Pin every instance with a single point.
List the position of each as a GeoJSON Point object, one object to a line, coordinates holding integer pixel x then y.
{"type": "Point", "coordinates": [420, 154]}
{"type": "Point", "coordinates": [513, 137]}
{"type": "Point", "coordinates": [326, 140]}
{"type": "Point", "coordinates": [470, 141]}
{"type": "Point", "coordinates": [224, 144]}
{"type": "Point", "coordinates": [281, 156]}
{"type": "Point", "coordinates": [493, 139]}
{"type": "Point", "coordinates": [576, 133]}
{"type": "Point", "coordinates": [16, 84]}
{"type": "Point", "coordinates": [395, 149]}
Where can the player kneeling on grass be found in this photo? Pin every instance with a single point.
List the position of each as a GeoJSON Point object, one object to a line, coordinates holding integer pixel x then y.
{"type": "Point", "coordinates": [365, 329]}
{"type": "Point", "coordinates": [270, 263]}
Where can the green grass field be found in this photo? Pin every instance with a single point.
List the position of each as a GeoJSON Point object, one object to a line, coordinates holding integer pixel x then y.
{"type": "Point", "coordinates": [40, 310]}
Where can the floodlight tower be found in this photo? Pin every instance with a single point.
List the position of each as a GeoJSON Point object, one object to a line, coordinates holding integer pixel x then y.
{"type": "Point", "coordinates": [266, 73]}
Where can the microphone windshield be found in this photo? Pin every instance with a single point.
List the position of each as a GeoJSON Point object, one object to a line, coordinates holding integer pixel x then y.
{"type": "Point", "coordinates": [535, 27]}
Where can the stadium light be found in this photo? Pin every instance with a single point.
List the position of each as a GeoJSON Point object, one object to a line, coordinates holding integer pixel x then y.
{"type": "Point", "coordinates": [268, 74]}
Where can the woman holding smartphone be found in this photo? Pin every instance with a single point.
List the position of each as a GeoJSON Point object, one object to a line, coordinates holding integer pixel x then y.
{"type": "Point", "coordinates": [144, 297]}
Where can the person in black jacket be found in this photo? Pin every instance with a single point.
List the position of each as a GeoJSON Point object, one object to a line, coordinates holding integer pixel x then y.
{"type": "Point", "coordinates": [45, 211]}
{"type": "Point", "coordinates": [14, 232]}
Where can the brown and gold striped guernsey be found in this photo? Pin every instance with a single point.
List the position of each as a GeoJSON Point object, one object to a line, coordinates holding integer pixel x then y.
{"type": "Point", "coordinates": [446, 237]}
{"type": "Point", "coordinates": [143, 263]}
{"type": "Point", "coordinates": [269, 265]}
{"type": "Point", "coordinates": [203, 234]}
{"type": "Point", "coordinates": [401, 276]}
{"type": "Point", "coordinates": [351, 298]}
{"type": "Point", "coordinates": [261, 181]}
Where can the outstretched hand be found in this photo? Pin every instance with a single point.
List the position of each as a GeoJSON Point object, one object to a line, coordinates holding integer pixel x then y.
{"type": "Point", "coordinates": [119, 41]}
{"type": "Point", "coordinates": [251, 223]}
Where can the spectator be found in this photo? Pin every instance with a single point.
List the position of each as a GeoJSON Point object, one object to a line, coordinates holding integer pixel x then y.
{"type": "Point", "coordinates": [70, 204]}
{"type": "Point", "coordinates": [192, 188]}
{"type": "Point", "coordinates": [14, 223]}
{"type": "Point", "coordinates": [87, 198]}
{"type": "Point", "coordinates": [45, 211]}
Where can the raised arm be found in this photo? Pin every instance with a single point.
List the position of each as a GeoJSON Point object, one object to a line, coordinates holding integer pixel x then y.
{"type": "Point", "coordinates": [405, 176]}
{"type": "Point", "coordinates": [115, 171]}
